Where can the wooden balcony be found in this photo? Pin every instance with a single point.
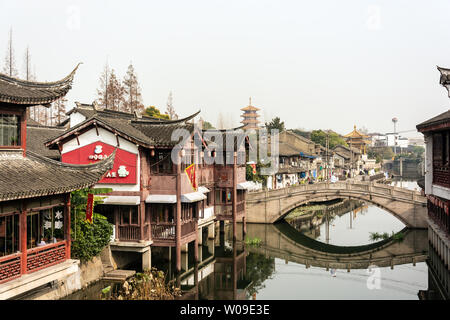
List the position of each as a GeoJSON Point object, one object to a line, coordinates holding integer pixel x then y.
{"type": "Point", "coordinates": [441, 175]}
{"type": "Point", "coordinates": [165, 234]}
{"type": "Point", "coordinates": [133, 233]}
{"type": "Point", "coordinates": [225, 211]}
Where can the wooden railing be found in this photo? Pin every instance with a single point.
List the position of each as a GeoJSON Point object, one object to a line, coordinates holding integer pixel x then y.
{"type": "Point", "coordinates": [10, 266]}
{"type": "Point", "coordinates": [163, 231]}
{"type": "Point", "coordinates": [42, 257]}
{"type": "Point", "coordinates": [129, 233]}
{"type": "Point", "coordinates": [168, 231]}
{"type": "Point", "coordinates": [188, 227]}
{"type": "Point", "coordinates": [226, 210]}
{"type": "Point", "coordinates": [441, 175]}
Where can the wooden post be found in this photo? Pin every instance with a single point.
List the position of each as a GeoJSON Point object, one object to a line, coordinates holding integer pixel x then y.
{"type": "Point", "coordinates": [234, 203]}
{"type": "Point", "coordinates": [23, 238]}
{"type": "Point", "coordinates": [142, 220]}
{"type": "Point", "coordinates": [178, 215]}
{"type": "Point", "coordinates": [67, 227]}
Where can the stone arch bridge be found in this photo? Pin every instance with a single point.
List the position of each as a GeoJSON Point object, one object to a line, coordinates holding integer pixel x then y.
{"type": "Point", "coordinates": [269, 206]}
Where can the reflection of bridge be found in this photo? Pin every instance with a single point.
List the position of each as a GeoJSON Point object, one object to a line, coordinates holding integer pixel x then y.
{"type": "Point", "coordinates": [284, 242]}
{"type": "Point", "coordinates": [270, 206]}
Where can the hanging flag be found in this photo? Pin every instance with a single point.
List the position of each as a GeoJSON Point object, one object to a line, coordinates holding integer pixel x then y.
{"type": "Point", "coordinates": [190, 172]}
{"type": "Point", "coordinates": [89, 207]}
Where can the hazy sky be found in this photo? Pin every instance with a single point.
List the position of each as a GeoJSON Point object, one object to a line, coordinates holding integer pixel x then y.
{"type": "Point", "coordinates": [315, 64]}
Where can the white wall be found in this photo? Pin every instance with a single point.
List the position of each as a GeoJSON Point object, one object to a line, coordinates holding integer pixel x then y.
{"type": "Point", "coordinates": [76, 118]}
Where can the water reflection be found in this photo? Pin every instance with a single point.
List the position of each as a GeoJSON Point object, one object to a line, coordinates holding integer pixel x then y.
{"type": "Point", "coordinates": [294, 261]}
{"type": "Point", "coordinates": [344, 223]}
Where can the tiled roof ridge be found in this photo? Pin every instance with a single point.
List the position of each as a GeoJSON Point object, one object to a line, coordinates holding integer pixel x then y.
{"type": "Point", "coordinates": [39, 84]}
{"type": "Point", "coordinates": [103, 164]}
{"type": "Point", "coordinates": [166, 122]}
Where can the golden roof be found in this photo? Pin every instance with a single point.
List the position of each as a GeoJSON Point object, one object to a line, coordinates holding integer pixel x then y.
{"type": "Point", "coordinates": [355, 134]}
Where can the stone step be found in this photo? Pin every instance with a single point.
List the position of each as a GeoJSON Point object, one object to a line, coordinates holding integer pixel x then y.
{"type": "Point", "coordinates": [118, 275]}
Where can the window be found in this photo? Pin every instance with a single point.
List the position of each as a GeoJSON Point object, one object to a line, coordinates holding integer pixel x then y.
{"type": "Point", "coordinates": [161, 163]}
{"type": "Point", "coordinates": [45, 225]}
{"type": "Point", "coordinates": [128, 215]}
{"type": "Point", "coordinates": [9, 234]}
{"type": "Point", "coordinates": [9, 130]}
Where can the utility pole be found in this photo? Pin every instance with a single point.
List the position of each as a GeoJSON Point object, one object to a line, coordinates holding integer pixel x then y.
{"type": "Point", "coordinates": [351, 159]}
{"type": "Point", "coordinates": [326, 152]}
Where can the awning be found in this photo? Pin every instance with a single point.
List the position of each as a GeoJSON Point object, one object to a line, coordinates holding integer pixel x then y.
{"type": "Point", "coordinates": [203, 189]}
{"type": "Point", "coordinates": [122, 200]}
{"type": "Point", "coordinates": [192, 197]}
{"type": "Point", "coordinates": [307, 155]}
{"type": "Point", "coordinates": [172, 198]}
{"type": "Point", "coordinates": [247, 185]}
{"type": "Point", "coordinates": [161, 198]}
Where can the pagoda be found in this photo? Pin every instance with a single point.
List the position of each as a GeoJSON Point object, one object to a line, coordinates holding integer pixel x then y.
{"type": "Point", "coordinates": [357, 140]}
{"type": "Point", "coordinates": [250, 116]}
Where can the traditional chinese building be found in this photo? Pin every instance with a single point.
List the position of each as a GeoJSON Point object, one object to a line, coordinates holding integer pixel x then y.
{"type": "Point", "coordinates": [358, 140]}
{"type": "Point", "coordinates": [35, 194]}
{"type": "Point", "coordinates": [437, 189]}
{"type": "Point", "coordinates": [155, 202]}
{"type": "Point", "coordinates": [250, 116]}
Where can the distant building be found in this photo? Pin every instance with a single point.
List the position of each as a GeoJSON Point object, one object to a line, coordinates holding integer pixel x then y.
{"type": "Point", "coordinates": [250, 116]}
{"type": "Point", "coordinates": [357, 140]}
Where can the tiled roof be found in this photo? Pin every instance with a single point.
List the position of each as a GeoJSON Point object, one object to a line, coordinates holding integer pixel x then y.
{"type": "Point", "coordinates": [37, 176]}
{"type": "Point", "coordinates": [37, 136]}
{"type": "Point", "coordinates": [148, 132]}
{"type": "Point", "coordinates": [439, 119]}
{"type": "Point", "coordinates": [22, 92]}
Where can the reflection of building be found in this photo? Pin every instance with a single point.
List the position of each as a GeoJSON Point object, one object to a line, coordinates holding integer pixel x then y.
{"type": "Point", "coordinates": [437, 189]}
{"type": "Point", "coordinates": [35, 196]}
{"type": "Point", "coordinates": [221, 276]}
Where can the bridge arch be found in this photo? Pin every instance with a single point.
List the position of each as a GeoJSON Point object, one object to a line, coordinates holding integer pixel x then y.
{"type": "Point", "coordinates": [408, 206]}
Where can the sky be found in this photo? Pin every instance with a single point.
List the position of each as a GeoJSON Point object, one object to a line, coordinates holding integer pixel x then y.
{"type": "Point", "coordinates": [315, 64]}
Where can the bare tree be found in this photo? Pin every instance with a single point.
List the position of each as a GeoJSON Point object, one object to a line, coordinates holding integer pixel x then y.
{"type": "Point", "coordinates": [170, 109]}
{"type": "Point", "coordinates": [103, 91]}
{"type": "Point", "coordinates": [59, 111]}
{"type": "Point", "coordinates": [220, 121]}
{"type": "Point", "coordinates": [132, 90]}
{"type": "Point", "coordinates": [115, 93]}
{"type": "Point", "coordinates": [10, 62]}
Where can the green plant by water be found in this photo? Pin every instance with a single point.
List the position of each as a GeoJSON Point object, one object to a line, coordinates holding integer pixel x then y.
{"type": "Point", "coordinates": [253, 241]}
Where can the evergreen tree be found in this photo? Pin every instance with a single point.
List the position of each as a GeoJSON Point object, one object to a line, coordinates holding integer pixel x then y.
{"type": "Point", "coordinates": [154, 112]}
{"type": "Point", "coordinates": [276, 123]}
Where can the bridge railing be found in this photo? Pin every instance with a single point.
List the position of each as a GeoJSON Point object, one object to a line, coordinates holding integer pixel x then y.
{"type": "Point", "coordinates": [359, 186]}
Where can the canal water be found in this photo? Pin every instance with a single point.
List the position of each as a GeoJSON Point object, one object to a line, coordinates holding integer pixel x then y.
{"type": "Point", "coordinates": [285, 261]}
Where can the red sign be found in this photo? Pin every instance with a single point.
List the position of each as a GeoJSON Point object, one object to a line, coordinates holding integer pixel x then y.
{"type": "Point", "coordinates": [190, 172]}
{"type": "Point", "coordinates": [89, 207]}
{"type": "Point", "coordinates": [125, 164]}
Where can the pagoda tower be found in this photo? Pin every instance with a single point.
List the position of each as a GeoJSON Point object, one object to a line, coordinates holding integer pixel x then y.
{"type": "Point", "coordinates": [357, 140]}
{"type": "Point", "coordinates": [250, 116]}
